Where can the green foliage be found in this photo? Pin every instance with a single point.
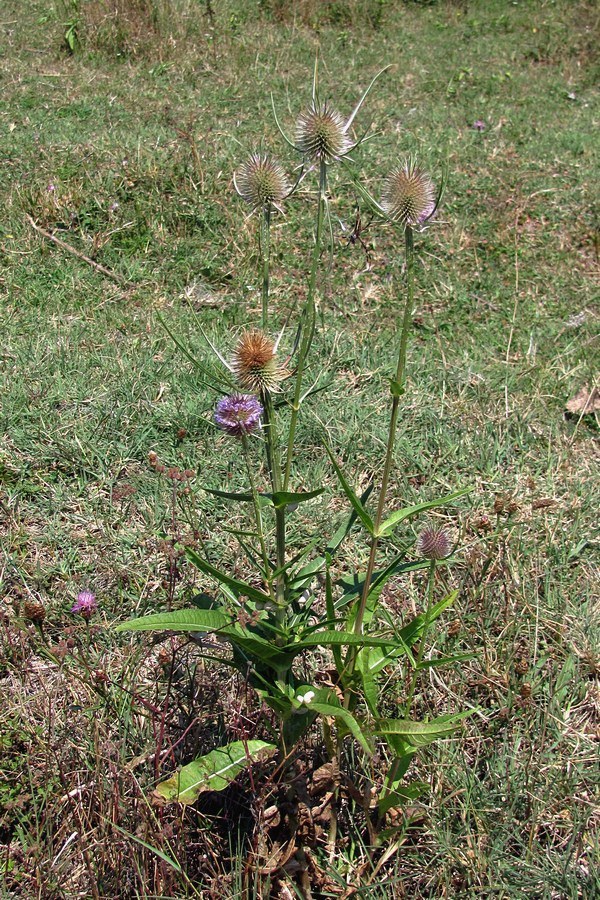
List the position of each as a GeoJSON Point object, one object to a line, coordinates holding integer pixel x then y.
{"type": "Point", "coordinates": [274, 625]}
{"type": "Point", "coordinates": [213, 772]}
{"type": "Point", "coordinates": [91, 384]}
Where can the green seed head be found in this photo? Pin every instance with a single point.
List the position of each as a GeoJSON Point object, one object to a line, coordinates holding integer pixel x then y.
{"type": "Point", "coordinates": [409, 195]}
{"type": "Point", "coordinates": [261, 182]}
{"type": "Point", "coordinates": [320, 134]}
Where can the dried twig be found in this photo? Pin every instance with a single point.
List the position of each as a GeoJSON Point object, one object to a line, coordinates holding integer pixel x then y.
{"type": "Point", "coordinates": [55, 240]}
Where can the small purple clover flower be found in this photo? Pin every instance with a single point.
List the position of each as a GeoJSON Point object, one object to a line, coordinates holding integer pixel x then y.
{"type": "Point", "coordinates": [238, 414]}
{"type": "Point", "coordinates": [86, 604]}
{"type": "Point", "coordinates": [478, 125]}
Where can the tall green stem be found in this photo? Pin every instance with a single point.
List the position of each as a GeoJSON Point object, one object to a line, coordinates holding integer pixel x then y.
{"type": "Point", "coordinates": [423, 638]}
{"type": "Point", "coordinates": [274, 464]}
{"type": "Point", "coordinates": [397, 390]}
{"type": "Point", "coordinates": [308, 324]}
{"type": "Point", "coordinates": [393, 772]}
{"type": "Point", "coordinates": [257, 512]}
{"type": "Point", "coordinates": [265, 255]}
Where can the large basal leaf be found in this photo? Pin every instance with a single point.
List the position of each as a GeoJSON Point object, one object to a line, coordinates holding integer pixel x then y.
{"type": "Point", "coordinates": [409, 511]}
{"type": "Point", "coordinates": [214, 771]}
{"type": "Point", "coordinates": [179, 620]}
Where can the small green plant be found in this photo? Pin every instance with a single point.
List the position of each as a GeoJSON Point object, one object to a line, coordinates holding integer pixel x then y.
{"type": "Point", "coordinates": [72, 25]}
{"type": "Point", "coordinates": [292, 605]}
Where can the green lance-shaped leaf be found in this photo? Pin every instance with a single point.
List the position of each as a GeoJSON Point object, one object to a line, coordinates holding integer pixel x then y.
{"type": "Point", "coordinates": [347, 719]}
{"type": "Point", "coordinates": [393, 792]}
{"type": "Point", "coordinates": [403, 795]}
{"type": "Point", "coordinates": [239, 587]}
{"type": "Point", "coordinates": [302, 578]}
{"type": "Point", "coordinates": [214, 771]}
{"type": "Point", "coordinates": [419, 734]}
{"type": "Point", "coordinates": [410, 633]}
{"type": "Point", "coordinates": [439, 661]}
{"type": "Point", "coordinates": [367, 679]}
{"type": "Point", "coordinates": [278, 499]}
{"type": "Point", "coordinates": [378, 582]}
{"type": "Point", "coordinates": [342, 638]}
{"type": "Point", "coordinates": [357, 506]}
{"type": "Point", "coordinates": [254, 647]}
{"type": "Point", "coordinates": [409, 511]}
{"type": "Point", "coordinates": [179, 620]}
{"type": "Point", "coordinates": [330, 607]}
{"type": "Point", "coordinates": [240, 496]}
{"type": "Point", "coordinates": [287, 498]}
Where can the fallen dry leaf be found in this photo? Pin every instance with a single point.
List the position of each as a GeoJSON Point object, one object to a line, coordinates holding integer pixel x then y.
{"type": "Point", "coordinates": [586, 402]}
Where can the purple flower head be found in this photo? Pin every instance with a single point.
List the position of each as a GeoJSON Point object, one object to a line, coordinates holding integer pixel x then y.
{"type": "Point", "coordinates": [238, 414]}
{"type": "Point", "coordinates": [86, 604]}
{"type": "Point", "coordinates": [434, 543]}
{"type": "Point", "coordinates": [478, 125]}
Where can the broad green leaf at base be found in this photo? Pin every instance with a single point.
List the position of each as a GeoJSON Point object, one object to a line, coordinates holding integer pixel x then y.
{"type": "Point", "coordinates": [214, 771]}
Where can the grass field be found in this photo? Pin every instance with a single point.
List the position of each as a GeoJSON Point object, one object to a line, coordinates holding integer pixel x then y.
{"type": "Point", "coordinates": [120, 126]}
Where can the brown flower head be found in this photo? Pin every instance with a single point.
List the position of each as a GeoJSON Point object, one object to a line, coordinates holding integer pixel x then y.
{"type": "Point", "coordinates": [35, 611]}
{"type": "Point", "coordinates": [255, 363]}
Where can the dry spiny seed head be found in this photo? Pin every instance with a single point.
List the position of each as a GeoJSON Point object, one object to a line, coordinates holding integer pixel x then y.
{"type": "Point", "coordinates": [261, 181]}
{"type": "Point", "coordinates": [434, 543]}
{"type": "Point", "coordinates": [454, 628]}
{"type": "Point", "coordinates": [522, 666]}
{"type": "Point", "coordinates": [255, 363]}
{"type": "Point", "coordinates": [409, 195]}
{"type": "Point", "coordinates": [35, 611]}
{"type": "Point", "coordinates": [320, 134]}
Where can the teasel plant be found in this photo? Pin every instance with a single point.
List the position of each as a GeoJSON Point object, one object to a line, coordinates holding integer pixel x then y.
{"type": "Point", "coordinates": [271, 621]}
{"type": "Point", "coordinates": [323, 137]}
